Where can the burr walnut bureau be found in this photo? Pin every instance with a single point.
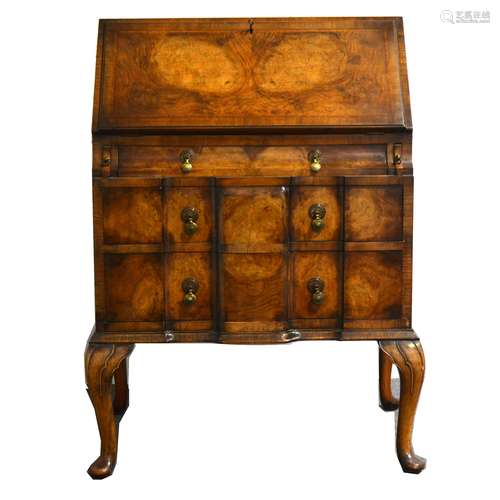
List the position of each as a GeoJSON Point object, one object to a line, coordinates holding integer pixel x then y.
{"type": "Point", "coordinates": [252, 184]}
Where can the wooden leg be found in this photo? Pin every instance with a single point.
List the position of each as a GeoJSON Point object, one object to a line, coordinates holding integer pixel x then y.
{"type": "Point", "coordinates": [408, 356]}
{"type": "Point", "coordinates": [120, 401]}
{"type": "Point", "coordinates": [388, 400]}
{"type": "Point", "coordinates": [102, 361]}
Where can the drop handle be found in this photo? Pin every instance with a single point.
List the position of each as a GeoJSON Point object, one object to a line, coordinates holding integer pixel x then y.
{"type": "Point", "coordinates": [189, 216]}
{"type": "Point", "coordinates": [190, 287]}
{"type": "Point", "coordinates": [316, 287]}
{"type": "Point", "coordinates": [187, 159]}
{"type": "Point", "coordinates": [315, 161]}
{"type": "Point", "coordinates": [317, 213]}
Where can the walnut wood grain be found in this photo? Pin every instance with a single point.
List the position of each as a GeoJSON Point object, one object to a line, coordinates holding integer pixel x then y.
{"type": "Point", "coordinates": [302, 199]}
{"type": "Point", "coordinates": [121, 390]}
{"type": "Point", "coordinates": [408, 356]}
{"type": "Point", "coordinates": [253, 291]}
{"type": "Point", "coordinates": [253, 215]}
{"type": "Point", "coordinates": [102, 363]}
{"type": "Point", "coordinates": [323, 265]}
{"type": "Point", "coordinates": [179, 267]}
{"type": "Point", "coordinates": [374, 213]}
{"type": "Point", "coordinates": [134, 287]}
{"type": "Point", "coordinates": [373, 285]}
{"type": "Point", "coordinates": [132, 215]}
{"type": "Point", "coordinates": [176, 199]}
{"type": "Point", "coordinates": [388, 401]}
{"type": "Point", "coordinates": [316, 333]}
{"type": "Point", "coordinates": [209, 73]}
{"type": "Point", "coordinates": [250, 160]}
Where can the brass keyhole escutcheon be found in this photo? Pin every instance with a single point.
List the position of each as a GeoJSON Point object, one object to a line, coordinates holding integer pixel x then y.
{"type": "Point", "coordinates": [396, 155]}
{"type": "Point", "coordinates": [106, 158]}
{"type": "Point", "coordinates": [317, 213]}
{"type": "Point", "coordinates": [187, 159]}
{"type": "Point", "coordinates": [189, 287]}
{"type": "Point", "coordinates": [315, 160]}
{"type": "Point", "coordinates": [189, 216]}
{"type": "Point", "coordinates": [316, 287]}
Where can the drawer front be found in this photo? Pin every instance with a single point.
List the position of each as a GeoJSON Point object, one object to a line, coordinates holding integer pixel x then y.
{"type": "Point", "coordinates": [189, 294]}
{"type": "Point", "coordinates": [374, 213]}
{"type": "Point", "coordinates": [188, 215]}
{"type": "Point", "coordinates": [315, 213]}
{"type": "Point", "coordinates": [374, 289]}
{"type": "Point", "coordinates": [253, 217]}
{"type": "Point", "coordinates": [132, 215]}
{"type": "Point", "coordinates": [253, 292]}
{"type": "Point", "coordinates": [191, 160]}
{"type": "Point", "coordinates": [253, 255]}
{"type": "Point", "coordinates": [316, 289]}
{"type": "Point", "coordinates": [134, 287]}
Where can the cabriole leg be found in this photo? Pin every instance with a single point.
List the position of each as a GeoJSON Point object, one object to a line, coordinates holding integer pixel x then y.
{"type": "Point", "coordinates": [120, 401]}
{"type": "Point", "coordinates": [388, 400]}
{"type": "Point", "coordinates": [103, 362]}
{"type": "Point", "coordinates": [408, 356]}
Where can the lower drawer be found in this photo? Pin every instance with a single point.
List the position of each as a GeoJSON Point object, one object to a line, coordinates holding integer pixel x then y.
{"type": "Point", "coordinates": [315, 290]}
{"type": "Point", "coordinates": [130, 292]}
{"type": "Point", "coordinates": [375, 292]}
{"type": "Point", "coordinates": [189, 294]}
{"type": "Point", "coordinates": [253, 292]}
{"type": "Point", "coordinates": [260, 292]}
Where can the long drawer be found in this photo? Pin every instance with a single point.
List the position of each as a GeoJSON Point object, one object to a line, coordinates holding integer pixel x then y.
{"type": "Point", "coordinates": [321, 160]}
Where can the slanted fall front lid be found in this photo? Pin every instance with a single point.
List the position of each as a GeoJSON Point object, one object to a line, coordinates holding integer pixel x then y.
{"type": "Point", "coordinates": [240, 73]}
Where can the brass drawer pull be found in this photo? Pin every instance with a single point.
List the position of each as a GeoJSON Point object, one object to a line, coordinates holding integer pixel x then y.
{"type": "Point", "coordinates": [314, 158]}
{"type": "Point", "coordinates": [291, 335]}
{"type": "Point", "coordinates": [186, 159]}
{"type": "Point", "coordinates": [169, 336]}
{"type": "Point", "coordinates": [317, 213]}
{"type": "Point", "coordinates": [189, 216]}
{"type": "Point", "coordinates": [190, 287]}
{"type": "Point", "coordinates": [316, 287]}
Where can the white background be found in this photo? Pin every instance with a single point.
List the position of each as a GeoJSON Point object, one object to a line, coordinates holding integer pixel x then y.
{"type": "Point", "coordinates": [234, 422]}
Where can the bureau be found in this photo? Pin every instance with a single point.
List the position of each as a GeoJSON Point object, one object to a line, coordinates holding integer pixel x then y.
{"type": "Point", "coordinates": [252, 183]}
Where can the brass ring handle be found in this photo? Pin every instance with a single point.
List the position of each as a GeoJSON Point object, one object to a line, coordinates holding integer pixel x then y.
{"type": "Point", "coordinates": [317, 213]}
{"type": "Point", "coordinates": [189, 216]}
{"type": "Point", "coordinates": [190, 287]}
{"type": "Point", "coordinates": [316, 287]}
{"type": "Point", "coordinates": [186, 159]}
{"type": "Point", "coordinates": [315, 160]}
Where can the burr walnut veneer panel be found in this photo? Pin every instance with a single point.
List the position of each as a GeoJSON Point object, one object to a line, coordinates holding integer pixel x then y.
{"type": "Point", "coordinates": [266, 72]}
